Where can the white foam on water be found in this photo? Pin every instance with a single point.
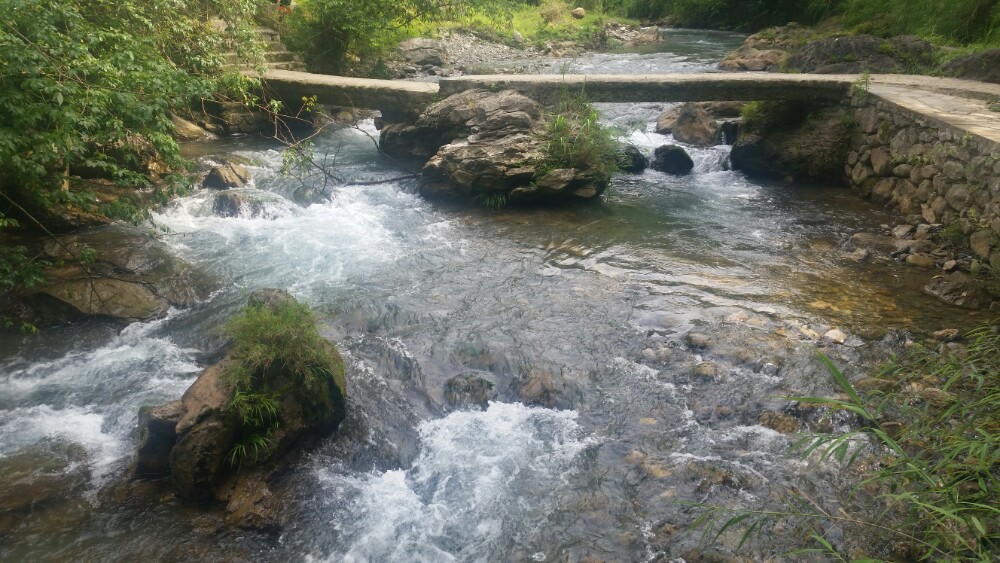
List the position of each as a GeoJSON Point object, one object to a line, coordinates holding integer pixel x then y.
{"type": "Point", "coordinates": [92, 397]}
{"type": "Point", "coordinates": [23, 427]}
{"type": "Point", "coordinates": [481, 478]}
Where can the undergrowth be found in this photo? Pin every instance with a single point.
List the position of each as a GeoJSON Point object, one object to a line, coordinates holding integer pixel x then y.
{"type": "Point", "coordinates": [928, 446]}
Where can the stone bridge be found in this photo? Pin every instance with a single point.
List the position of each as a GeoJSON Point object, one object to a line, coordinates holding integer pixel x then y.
{"type": "Point", "coordinates": [401, 100]}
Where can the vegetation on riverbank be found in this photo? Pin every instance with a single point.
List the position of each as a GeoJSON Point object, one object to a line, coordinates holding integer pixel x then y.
{"type": "Point", "coordinates": [963, 22]}
{"type": "Point", "coordinates": [927, 448]}
{"type": "Point", "coordinates": [88, 88]}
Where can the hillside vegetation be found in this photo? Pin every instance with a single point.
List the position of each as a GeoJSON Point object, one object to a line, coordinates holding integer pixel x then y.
{"type": "Point", "coordinates": [950, 21]}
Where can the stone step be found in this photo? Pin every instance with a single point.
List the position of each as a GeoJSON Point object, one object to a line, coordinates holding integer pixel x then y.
{"type": "Point", "coordinates": [269, 57]}
{"type": "Point", "coordinates": [287, 65]}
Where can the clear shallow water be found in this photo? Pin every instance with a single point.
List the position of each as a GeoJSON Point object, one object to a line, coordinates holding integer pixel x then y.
{"type": "Point", "coordinates": [599, 298]}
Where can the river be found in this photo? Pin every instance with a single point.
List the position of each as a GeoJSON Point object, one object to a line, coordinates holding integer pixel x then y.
{"type": "Point", "coordinates": [665, 319]}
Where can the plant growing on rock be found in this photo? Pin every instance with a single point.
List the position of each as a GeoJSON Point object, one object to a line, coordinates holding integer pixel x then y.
{"type": "Point", "coordinates": [277, 351]}
{"type": "Point", "coordinates": [575, 139]}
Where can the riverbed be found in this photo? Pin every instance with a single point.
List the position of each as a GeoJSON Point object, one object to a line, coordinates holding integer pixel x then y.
{"type": "Point", "coordinates": [663, 323]}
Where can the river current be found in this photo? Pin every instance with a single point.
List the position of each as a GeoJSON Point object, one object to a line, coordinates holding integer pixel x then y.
{"type": "Point", "coordinates": [667, 318]}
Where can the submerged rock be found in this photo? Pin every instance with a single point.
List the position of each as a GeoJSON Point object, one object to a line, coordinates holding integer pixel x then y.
{"type": "Point", "coordinates": [958, 288]}
{"type": "Point", "coordinates": [250, 204]}
{"type": "Point", "coordinates": [631, 160]}
{"type": "Point", "coordinates": [671, 159]}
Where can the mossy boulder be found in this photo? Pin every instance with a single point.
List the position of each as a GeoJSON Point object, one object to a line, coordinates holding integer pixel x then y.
{"type": "Point", "coordinates": [793, 140]}
{"type": "Point", "coordinates": [280, 388]}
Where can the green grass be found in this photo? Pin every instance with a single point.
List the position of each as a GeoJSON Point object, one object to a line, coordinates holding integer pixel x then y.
{"type": "Point", "coordinates": [526, 20]}
{"type": "Point", "coordinates": [276, 350]}
{"type": "Point", "coordinates": [575, 139]}
{"type": "Point", "coordinates": [928, 448]}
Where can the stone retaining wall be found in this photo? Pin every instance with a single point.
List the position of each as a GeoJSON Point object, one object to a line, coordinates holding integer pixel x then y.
{"type": "Point", "coordinates": [930, 171]}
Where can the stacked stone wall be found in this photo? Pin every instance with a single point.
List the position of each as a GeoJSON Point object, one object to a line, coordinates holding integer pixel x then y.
{"type": "Point", "coordinates": [930, 171]}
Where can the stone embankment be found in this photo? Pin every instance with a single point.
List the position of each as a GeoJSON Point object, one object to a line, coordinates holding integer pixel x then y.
{"type": "Point", "coordinates": [936, 159]}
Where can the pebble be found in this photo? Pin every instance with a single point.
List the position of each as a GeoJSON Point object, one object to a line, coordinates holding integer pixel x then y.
{"type": "Point", "coordinates": [920, 260]}
{"type": "Point", "coordinates": [946, 335]}
{"type": "Point", "coordinates": [836, 336]}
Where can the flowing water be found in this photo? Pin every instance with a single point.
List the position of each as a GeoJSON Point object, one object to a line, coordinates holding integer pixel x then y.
{"type": "Point", "coordinates": [664, 320]}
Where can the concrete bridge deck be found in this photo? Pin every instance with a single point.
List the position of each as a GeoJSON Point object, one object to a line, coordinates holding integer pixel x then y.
{"type": "Point", "coordinates": [960, 103]}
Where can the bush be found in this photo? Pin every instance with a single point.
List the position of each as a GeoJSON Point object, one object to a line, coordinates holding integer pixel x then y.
{"type": "Point", "coordinates": [87, 87]}
{"type": "Point", "coordinates": [332, 32]}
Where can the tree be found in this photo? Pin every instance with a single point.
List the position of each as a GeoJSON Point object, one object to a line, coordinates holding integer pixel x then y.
{"type": "Point", "coordinates": [329, 30]}
{"type": "Point", "coordinates": [87, 87]}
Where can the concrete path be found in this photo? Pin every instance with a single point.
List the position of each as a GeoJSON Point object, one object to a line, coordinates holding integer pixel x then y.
{"type": "Point", "coordinates": [967, 114]}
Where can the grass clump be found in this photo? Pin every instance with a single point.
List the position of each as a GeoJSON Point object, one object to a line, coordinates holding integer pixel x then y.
{"type": "Point", "coordinates": [575, 139]}
{"type": "Point", "coordinates": [277, 353]}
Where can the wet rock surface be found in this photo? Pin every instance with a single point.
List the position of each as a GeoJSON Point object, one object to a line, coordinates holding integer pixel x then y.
{"type": "Point", "coordinates": [132, 277]}
{"type": "Point", "coordinates": [193, 440]}
{"type": "Point", "coordinates": [227, 176]}
{"type": "Point", "coordinates": [794, 141]}
{"type": "Point", "coordinates": [671, 159]}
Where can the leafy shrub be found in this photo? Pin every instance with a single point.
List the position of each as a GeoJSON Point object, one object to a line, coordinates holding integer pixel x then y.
{"type": "Point", "coordinates": [330, 33]}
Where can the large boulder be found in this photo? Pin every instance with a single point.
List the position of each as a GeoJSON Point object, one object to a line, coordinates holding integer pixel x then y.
{"type": "Point", "coordinates": [226, 176]}
{"type": "Point", "coordinates": [494, 149]}
{"type": "Point", "coordinates": [695, 126]}
{"type": "Point", "coordinates": [858, 53]}
{"type": "Point", "coordinates": [671, 159]}
{"type": "Point", "coordinates": [487, 115]}
{"type": "Point", "coordinates": [423, 51]}
{"type": "Point", "coordinates": [132, 276]}
{"type": "Point", "coordinates": [983, 66]}
{"type": "Point", "coordinates": [212, 448]}
{"type": "Point", "coordinates": [795, 141]}
{"type": "Point", "coordinates": [631, 160]}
